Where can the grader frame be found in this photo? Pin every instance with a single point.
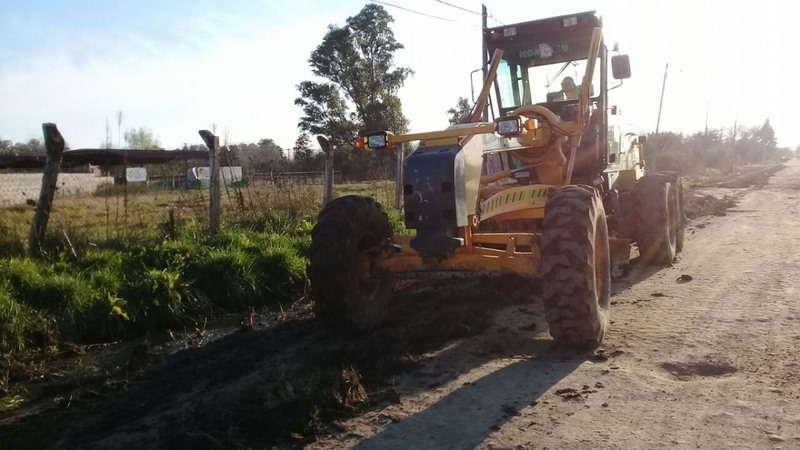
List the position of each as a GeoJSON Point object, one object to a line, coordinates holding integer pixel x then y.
{"type": "Point", "coordinates": [544, 191]}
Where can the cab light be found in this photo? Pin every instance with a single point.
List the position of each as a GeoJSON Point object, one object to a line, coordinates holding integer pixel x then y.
{"type": "Point", "coordinates": [508, 126]}
{"type": "Point", "coordinates": [378, 141]}
{"type": "Point", "coordinates": [529, 124]}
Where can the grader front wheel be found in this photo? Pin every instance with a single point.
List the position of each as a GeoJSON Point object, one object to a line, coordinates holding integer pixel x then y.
{"type": "Point", "coordinates": [345, 244]}
{"type": "Point", "coordinates": [576, 267]}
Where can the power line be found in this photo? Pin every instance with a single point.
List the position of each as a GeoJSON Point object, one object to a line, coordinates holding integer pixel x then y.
{"type": "Point", "coordinates": [467, 10]}
{"type": "Point", "coordinates": [459, 7]}
{"type": "Point", "coordinates": [421, 13]}
{"type": "Point", "coordinates": [492, 17]}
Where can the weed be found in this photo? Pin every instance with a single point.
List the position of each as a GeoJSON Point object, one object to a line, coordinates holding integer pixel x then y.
{"type": "Point", "coordinates": [22, 328]}
{"type": "Point", "coordinates": [10, 402]}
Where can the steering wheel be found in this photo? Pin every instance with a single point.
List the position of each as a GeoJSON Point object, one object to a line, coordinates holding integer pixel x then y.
{"type": "Point", "coordinates": [567, 128]}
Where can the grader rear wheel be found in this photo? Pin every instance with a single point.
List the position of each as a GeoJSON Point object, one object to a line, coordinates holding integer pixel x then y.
{"type": "Point", "coordinates": [576, 267]}
{"type": "Point", "coordinates": [680, 221]}
{"type": "Point", "coordinates": [657, 211]}
{"type": "Point", "coordinates": [345, 244]}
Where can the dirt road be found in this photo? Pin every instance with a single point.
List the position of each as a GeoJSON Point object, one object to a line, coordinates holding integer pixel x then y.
{"type": "Point", "coordinates": [710, 362]}
{"type": "Point", "coordinates": [703, 354]}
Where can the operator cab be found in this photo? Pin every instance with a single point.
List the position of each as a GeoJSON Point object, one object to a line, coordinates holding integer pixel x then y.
{"type": "Point", "coordinates": [543, 63]}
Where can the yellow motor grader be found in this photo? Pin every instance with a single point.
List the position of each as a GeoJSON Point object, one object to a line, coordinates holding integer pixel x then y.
{"type": "Point", "coordinates": [551, 190]}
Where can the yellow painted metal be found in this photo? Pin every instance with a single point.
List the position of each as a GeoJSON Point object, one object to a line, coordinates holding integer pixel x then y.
{"type": "Point", "coordinates": [520, 263]}
{"type": "Point", "coordinates": [483, 97]}
{"type": "Point", "coordinates": [471, 258]}
{"type": "Point", "coordinates": [505, 238]}
{"type": "Point", "coordinates": [514, 199]}
{"type": "Point", "coordinates": [441, 141]}
{"type": "Point", "coordinates": [471, 239]}
{"type": "Point", "coordinates": [454, 131]}
{"type": "Point", "coordinates": [594, 52]}
{"type": "Point", "coordinates": [530, 213]}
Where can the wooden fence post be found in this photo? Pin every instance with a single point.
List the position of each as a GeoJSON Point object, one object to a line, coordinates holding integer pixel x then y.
{"type": "Point", "coordinates": [327, 190]}
{"type": "Point", "coordinates": [212, 142]}
{"type": "Point", "coordinates": [54, 146]}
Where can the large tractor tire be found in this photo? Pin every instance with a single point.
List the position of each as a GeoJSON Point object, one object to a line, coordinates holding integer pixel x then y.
{"type": "Point", "coordinates": [575, 266]}
{"type": "Point", "coordinates": [658, 219]}
{"type": "Point", "coordinates": [345, 244]}
{"type": "Point", "coordinates": [680, 229]}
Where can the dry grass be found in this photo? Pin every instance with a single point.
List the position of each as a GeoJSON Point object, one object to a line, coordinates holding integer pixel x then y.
{"type": "Point", "coordinates": [119, 212]}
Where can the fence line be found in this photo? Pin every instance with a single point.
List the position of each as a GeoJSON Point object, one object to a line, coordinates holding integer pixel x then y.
{"type": "Point", "coordinates": [133, 194]}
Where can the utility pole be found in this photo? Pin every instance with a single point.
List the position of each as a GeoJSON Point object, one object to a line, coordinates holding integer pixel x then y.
{"type": "Point", "coordinates": [661, 103]}
{"type": "Point", "coordinates": [119, 128]}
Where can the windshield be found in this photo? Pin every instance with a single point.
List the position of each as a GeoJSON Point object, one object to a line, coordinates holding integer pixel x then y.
{"type": "Point", "coordinates": [521, 84]}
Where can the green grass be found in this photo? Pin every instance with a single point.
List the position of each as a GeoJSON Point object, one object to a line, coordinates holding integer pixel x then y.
{"type": "Point", "coordinates": [126, 289]}
{"type": "Point", "coordinates": [117, 265]}
{"type": "Point", "coordinates": [11, 402]}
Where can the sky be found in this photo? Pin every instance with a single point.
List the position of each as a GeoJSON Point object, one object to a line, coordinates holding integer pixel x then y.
{"type": "Point", "coordinates": [182, 65]}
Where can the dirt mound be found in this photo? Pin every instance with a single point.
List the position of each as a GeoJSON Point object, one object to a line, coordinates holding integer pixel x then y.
{"type": "Point", "coordinates": [697, 204]}
{"type": "Point", "coordinates": [748, 176]}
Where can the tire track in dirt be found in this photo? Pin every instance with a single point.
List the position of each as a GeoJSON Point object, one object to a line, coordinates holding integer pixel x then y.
{"type": "Point", "coordinates": [709, 363]}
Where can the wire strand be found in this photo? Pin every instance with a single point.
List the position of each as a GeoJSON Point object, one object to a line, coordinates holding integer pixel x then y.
{"type": "Point", "coordinates": [489, 16]}
{"type": "Point", "coordinates": [422, 13]}
{"type": "Point", "coordinates": [459, 7]}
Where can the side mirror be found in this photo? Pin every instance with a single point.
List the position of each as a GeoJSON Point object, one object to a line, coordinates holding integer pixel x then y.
{"type": "Point", "coordinates": [620, 67]}
{"type": "Point", "coordinates": [642, 138]}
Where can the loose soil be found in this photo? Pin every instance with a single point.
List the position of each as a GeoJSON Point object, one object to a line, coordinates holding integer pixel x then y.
{"type": "Point", "coordinates": [699, 355]}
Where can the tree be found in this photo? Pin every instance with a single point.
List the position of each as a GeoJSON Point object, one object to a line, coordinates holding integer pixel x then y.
{"type": "Point", "coordinates": [5, 146]}
{"type": "Point", "coordinates": [264, 157]}
{"type": "Point", "coordinates": [141, 139]}
{"type": "Point", "coordinates": [303, 153]}
{"type": "Point", "coordinates": [460, 112]}
{"type": "Point", "coordinates": [106, 141]}
{"type": "Point", "coordinates": [361, 92]}
{"type": "Point", "coordinates": [32, 147]}
{"type": "Point", "coordinates": [325, 112]}
{"type": "Point", "coordinates": [765, 136]}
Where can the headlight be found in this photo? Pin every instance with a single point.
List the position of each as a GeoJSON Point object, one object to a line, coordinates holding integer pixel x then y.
{"type": "Point", "coordinates": [377, 141]}
{"type": "Point", "coordinates": [508, 126]}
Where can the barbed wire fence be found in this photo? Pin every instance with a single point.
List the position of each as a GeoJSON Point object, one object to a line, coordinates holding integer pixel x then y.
{"type": "Point", "coordinates": [101, 195]}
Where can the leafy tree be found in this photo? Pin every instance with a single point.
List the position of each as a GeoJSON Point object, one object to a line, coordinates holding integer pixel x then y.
{"type": "Point", "coordinates": [765, 137]}
{"type": "Point", "coordinates": [5, 146]}
{"type": "Point", "coordinates": [361, 92]}
{"type": "Point", "coordinates": [264, 157]}
{"type": "Point", "coordinates": [460, 112]}
{"type": "Point", "coordinates": [325, 112]}
{"type": "Point", "coordinates": [32, 147]}
{"type": "Point", "coordinates": [141, 139]}
{"type": "Point", "coordinates": [303, 153]}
